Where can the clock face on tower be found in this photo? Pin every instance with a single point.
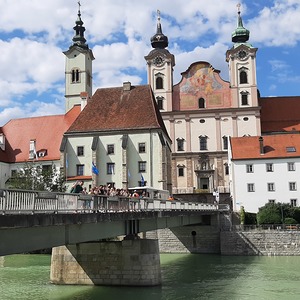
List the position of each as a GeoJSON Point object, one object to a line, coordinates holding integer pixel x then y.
{"type": "Point", "coordinates": [158, 60]}
{"type": "Point", "coordinates": [242, 54]}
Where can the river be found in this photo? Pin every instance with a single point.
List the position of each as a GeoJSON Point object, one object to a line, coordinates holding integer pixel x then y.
{"type": "Point", "coordinates": [185, 276]}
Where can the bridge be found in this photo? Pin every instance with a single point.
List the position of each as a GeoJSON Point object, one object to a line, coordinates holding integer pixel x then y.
{"type": "Point", "coordinates": [32, 220]}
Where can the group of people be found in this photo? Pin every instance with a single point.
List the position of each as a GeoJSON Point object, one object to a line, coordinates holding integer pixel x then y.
{"type": "Point", "coordinates": [106, 190]}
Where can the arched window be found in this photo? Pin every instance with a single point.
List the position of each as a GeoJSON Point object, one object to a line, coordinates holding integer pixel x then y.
{"type": "Point", "coordinates": [243, 77]}
{"type": "Point", "coordinates": [201, 103]}
{"type": "Point", "coordinates": [75, 75]}
{"type": "Point", "coordinates": [159, 83]}
{"type": "Point", "coordinates": [225, 142]}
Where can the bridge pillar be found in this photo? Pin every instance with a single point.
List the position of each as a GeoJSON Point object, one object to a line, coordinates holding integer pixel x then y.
{"type": "Point", "coordinates": [131, 262]}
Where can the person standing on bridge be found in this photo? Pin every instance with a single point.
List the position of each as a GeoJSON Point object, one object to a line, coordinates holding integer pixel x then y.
{"type": "Point", "coordinates": [78, 188]}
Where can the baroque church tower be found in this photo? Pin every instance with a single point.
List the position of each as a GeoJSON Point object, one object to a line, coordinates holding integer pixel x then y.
{"type": "Point", "coordinates": [242, 68]}
{"type": "Point", "coordinates": [78, 67]}
{"type": "Point", "coordinates": [160, 69]}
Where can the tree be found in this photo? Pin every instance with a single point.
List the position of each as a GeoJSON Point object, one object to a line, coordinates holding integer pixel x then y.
{"type": "Point", "coordinates": [34, 176]}
{"type": "Point", "coordinates": [277, 213]}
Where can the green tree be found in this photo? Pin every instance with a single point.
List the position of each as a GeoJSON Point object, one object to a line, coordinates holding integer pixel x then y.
{"type": "Point", "coordinates": [34, 176]}
{"type": "Point", "coordinates": [276, 213]}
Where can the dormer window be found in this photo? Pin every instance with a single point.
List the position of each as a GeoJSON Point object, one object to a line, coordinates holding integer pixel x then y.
{"type": "Point", "coordinates": [32, 149]}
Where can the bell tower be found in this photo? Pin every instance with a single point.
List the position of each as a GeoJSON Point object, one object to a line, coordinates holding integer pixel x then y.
{"type": "Point", "coordinates": [242, 68]}
{"type": "Point", "coordinates": [78, 66]}
{"type": "Point", "coordinates": [160, 64]}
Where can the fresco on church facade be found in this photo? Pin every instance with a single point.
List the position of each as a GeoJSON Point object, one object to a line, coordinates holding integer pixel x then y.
{"type": "Point", "coordinates": [201, 81]}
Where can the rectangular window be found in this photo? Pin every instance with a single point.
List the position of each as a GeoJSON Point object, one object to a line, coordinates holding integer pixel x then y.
{"type": "Point", "coordinates": [203, 142]}
{"type": "Point", "coordinates": [244, 99]}
{"type": "Point", "coordinates": [291, 166]}
{"type": "Point", "coordinates": [269, 167]}
{"type": "Point", "coordinates": [249, 168]}
{"type": "Point", "coordinates": [80, 151]}
{"type": "Point", "coordinates": [271, 187]}
{"type": "Point", "coordinates": [142, 166]}
{"type": "Point", "coordinates": [250, 187]}
{"type": "Point", "coordinates": [110, 149]}
{"type": "Point", "coordinates": [142, 147]}
{"type": "Point", "coordinates": [272, 201]}
{"type": "Point", "coordinates": [225, 142]}
{"type": "Point", "coordinates": [180, 171]}
{"type": "Point", "coordinates": [293, 202]}
{"type": "Point", "coordinates": [180, 145]}
{"type": "Point", "coordinates": [293, 186]}
{"type": "Point", "coordinates": [110, 168]}
{"type": "Point", "coordinates": [79, 170]}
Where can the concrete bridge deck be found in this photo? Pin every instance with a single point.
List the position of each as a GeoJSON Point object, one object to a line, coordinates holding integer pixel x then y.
{"type": "Point", "coordinates": [37, 220]}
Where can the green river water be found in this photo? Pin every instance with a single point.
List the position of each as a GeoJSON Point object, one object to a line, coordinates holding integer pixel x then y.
{"type": "Point", "coordinates": [184, 276]}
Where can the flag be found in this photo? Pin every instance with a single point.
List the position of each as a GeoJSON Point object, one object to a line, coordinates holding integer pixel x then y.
{"type": "Point", "coordinates": [142, 180]}
{"type": "Point", "coordinates": [94, 169]}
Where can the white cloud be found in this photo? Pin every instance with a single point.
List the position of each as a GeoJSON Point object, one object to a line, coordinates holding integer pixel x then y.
{"type": "Point", "coordinates": [34, 33]}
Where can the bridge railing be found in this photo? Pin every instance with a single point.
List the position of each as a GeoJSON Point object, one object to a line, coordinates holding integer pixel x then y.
{"type": "Point", "coordinates": [22, 202]}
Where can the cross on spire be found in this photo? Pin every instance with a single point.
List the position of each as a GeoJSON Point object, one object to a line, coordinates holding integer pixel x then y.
{"type": "Point", "coordinates": [238, 7]}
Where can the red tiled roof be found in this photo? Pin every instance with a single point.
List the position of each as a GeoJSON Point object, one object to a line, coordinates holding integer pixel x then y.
{"type": "Point", "coordinates": [115, 109]}
{"type": "Point", "coordinates": [275, 146]}
{"type": "Point", "coordinates": [279, 114]}
{"type": "Point", "coordinates": [47, 131]}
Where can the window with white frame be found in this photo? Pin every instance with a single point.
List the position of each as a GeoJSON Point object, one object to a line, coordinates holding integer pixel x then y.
{"type": "Point", "coordinates": [250, 187]}
{"type": "Point", "coordinates": [142, 147]}
{"type": "Point", "coordinates": [293, 202]}
{"type": "Point", "coordinates": [225, 142]}
{"type": "Point", "coordinates": [291, 166]}
{"type": "Point", "coordinates": [111, 149]}
{"type": "Point", "coordinates": [293, 186]}
{"type": "Point", "coordinates": [80, 151]}
{"type": "Point", "coordinates": [180, 171]}
{"type": "Point", "coordinates": [79, 170]}
{"type": "Point", "coordinates": [180, 144]}
{"type": "Point", "coordinates": [110, 168]}
{"type": "Point", "coordinates": [271, 187]}
{"type": "Point", "coordinates": [203, 142]}
{"type": "Point", "coordinates": [249, 168]}
{"type": "Point", "coordinates": [75, 76]}
{"type": "Point", "coordinates": [269, 167]}
{"type": "Point", "coordinates": [142, 166]}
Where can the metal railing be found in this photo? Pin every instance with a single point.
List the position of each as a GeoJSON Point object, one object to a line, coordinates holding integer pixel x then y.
{"type": "Point", "coordinates": [32, 202]}
{"type": "Point", "coordinates": [265, 227]}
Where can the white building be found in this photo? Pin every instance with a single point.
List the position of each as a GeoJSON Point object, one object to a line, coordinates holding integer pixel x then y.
{"type": "Point", "coordinates": [264, 169]}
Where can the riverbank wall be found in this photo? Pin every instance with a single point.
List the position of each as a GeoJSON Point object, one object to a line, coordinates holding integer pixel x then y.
{"type": "Point", "coordinates": [260, 242]}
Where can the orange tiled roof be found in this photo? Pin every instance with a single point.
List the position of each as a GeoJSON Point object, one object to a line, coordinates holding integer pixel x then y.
{"type": "Point", "coordinates": [279, 114]}
{"type": "Point", "coordinates": [115, 109]}
{"type": "Point", "coordinates": [275, 146]}
{"type": "Point", "coordinates": [47, 131]}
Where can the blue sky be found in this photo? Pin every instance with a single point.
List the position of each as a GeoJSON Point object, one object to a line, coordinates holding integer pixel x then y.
{"type": "Point", "coordinates": [34, 33]}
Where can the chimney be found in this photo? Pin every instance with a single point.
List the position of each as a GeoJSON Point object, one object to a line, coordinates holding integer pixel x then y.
{"type": "Point", "coordinates": [84, 99]}
{"type": "Point", "coordinates": [126, 86]}
{"type": "Point", "coordinates": [261, 145]}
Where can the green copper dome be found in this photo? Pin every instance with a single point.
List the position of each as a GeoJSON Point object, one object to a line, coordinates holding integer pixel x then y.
{"type": "Point", "coordinates": [241, 34]}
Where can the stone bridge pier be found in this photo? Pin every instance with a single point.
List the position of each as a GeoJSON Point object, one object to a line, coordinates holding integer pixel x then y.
{"type": "Point", "coordinates": [130, 262]}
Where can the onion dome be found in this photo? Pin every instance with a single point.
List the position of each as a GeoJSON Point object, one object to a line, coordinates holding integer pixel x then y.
{"type": "Point", "coordinates": [241, 34]}
{"type": "Point", "coordinates": [79, 39]}
{"type": "Point", "coordinates": [159, 40]}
